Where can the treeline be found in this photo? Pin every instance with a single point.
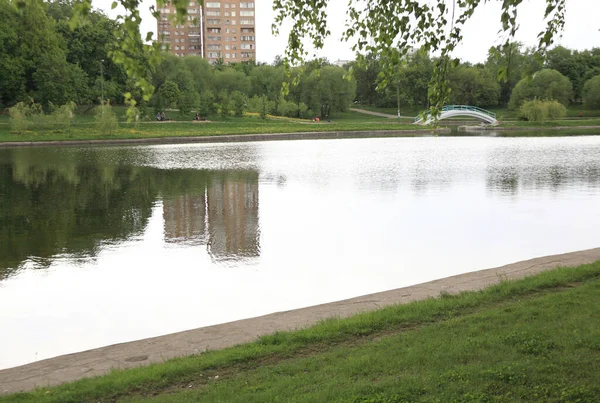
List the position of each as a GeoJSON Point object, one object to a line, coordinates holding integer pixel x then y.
{"type": "Point", "coordinates": [45, 63]}
{"type": "Point", "coordinates": [44, 60]}
{"type": "Point", "coordinates": [567, 76]}
{"type": "Point", "coordinates": [192, 84]}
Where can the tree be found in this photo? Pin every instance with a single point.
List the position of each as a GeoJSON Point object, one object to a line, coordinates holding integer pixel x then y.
{"type": "Point", "coordinates": [168, 95]}
{"type": "Point", "coordinates": [382, 26]}
{"type": "Point", "coordinates": [327, 90]}
{"type": "Point", "coordinates": [473, 86]}
{"type": "Point", "coordinates": [591, 93]}
{"type": "Point", "coordinates": [366, 75]}
{"type": "Point", "coordinates": [546, 84]}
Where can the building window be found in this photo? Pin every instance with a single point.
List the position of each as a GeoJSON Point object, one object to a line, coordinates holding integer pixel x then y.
{"type": "Point", "coordinates": [227, 56]}
{"type": "Point", "coordinates": [213, 21]}
{"type": "Point", "coordinates": [213, 4]}
{"type": "Point", "coordinates": [213, 13]}
{"type": "Point", "coordinates": [233, 13]}
{"type": "Point", "coordinates": [246, 5]}
{"type": "Point", "coordinates": [246, 13]}
{"type": "Point", "coordinates": [247, 22]}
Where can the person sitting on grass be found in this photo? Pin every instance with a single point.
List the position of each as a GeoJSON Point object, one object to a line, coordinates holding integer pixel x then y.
{"type": "Point", "coordinates": [163, 117]}
{"type": "Point", "coordinates": [197, 116]}
{"type": "Point", "coordinates": [158, 116]}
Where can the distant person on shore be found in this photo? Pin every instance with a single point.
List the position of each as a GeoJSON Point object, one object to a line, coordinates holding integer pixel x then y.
{"type": "Point", "coordinates": [163, 117]}
{"type": "Point", "coordinates": [158, 116]}
{"type": "Point", "coordinates": [197, 116]}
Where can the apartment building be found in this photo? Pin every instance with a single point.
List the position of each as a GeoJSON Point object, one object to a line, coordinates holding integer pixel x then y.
{"type": "Point", "coordinates": [219, 30]}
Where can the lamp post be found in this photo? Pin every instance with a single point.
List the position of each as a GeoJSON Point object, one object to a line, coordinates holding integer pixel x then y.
{"type": "Point", "coordinates": [102, 81]}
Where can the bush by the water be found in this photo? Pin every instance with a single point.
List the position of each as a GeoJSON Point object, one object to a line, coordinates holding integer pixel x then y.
{"type": "Point", "coordinates": [540, 111]}
{"type": "Point", "coordinates": [106, 120]}
{"type": "Point", "coordinates": [31, 116]}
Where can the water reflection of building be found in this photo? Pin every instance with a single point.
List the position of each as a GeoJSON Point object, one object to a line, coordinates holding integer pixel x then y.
{"type": "Point", "coordinates": [233, 218]}
{"type": "Point", "coordinates": [224, 217]}
{"type": "Point", "coordinates": [184, 218]}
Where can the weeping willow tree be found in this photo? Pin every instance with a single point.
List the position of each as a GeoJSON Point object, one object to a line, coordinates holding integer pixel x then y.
{"type": "Point", "coordinates": [386, 27]}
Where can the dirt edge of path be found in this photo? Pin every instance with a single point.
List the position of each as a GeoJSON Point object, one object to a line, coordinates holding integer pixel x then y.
{"type": "Point", "coordinates": [71, 367]}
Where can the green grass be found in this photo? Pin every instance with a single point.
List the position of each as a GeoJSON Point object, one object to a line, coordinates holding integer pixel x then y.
{"type": "Point", "coordinates": [535, 339]}
{"type": "Point", "coordinates": [84, 129]}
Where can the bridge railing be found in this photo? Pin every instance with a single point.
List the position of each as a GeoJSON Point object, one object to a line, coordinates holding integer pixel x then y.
{"type": "Point", "coordinates": [459, 108]}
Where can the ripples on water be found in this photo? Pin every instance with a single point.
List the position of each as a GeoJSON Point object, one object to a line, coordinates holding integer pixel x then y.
{"type": "Point", "coordinates": [108, 244]}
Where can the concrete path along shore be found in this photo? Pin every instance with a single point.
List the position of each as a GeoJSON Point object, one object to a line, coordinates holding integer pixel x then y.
{"type": "Point", "coordinates": [71, 367]}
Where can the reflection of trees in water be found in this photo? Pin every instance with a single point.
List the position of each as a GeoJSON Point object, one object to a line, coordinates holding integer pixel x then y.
{"type": "Point", "coordinates": [68, 203]}
{"type": "Point", "coordinates": [510, 180]}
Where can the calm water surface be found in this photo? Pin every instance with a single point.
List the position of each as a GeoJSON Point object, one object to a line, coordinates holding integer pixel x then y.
{"type": "Point", "coordinates": [111, 244]}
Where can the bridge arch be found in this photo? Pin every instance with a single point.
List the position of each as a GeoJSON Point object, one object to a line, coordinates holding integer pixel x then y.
{"type": "Point", "coordinates": [450, 111]}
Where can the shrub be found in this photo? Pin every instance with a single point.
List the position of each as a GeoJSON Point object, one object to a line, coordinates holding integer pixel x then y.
{"type": "Point", "coordinates": [591, 93]}
{"type": "Point", "coordinates": [18, 117]}
{"type": "Point", "coordinates": [540, 111]}
{"type": "Point", "coordinates": [106, 120]}
{"type": "Point", "coordinates": [63, 115]}
{"type": "Point", "coordinates": [261, 105]}
{"type": "Point", "coordinates": [238, 103]}
{"type": "Point", "coordinates": [556, 110]}
{"type": "Point", "coordinates": [545, 84]}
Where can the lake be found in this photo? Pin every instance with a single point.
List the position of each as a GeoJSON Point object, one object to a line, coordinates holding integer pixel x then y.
{"type": "Point", "coordinates": [102, 245]}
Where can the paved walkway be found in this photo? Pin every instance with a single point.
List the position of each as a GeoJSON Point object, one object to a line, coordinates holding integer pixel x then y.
{"type": "Point", "coordinates": [99, 361]}
{"type": "Point", "coordinates": [372, 113]}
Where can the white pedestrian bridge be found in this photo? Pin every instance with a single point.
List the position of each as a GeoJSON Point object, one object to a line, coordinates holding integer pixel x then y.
{"type": "Point", "coordinates": [452, 111]}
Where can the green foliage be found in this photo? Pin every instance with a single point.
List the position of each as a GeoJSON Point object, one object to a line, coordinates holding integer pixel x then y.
{"type": "Point", "coordinates": [591, 93]}
{"type": "Point", "coordinates": [18, 117]}
{"type": "Point", "coordinates": [540, 111]}
{"type": "Point", "coordinates": [238, 103]}
{"type": "Point", "coordinates": [188, 101]}
{"type": "Point", "coordinates": [473, 86]}
{"type": "Point", "coordinates": [207, 103]}
{"type": "Point", "coordinates": [132, 113]}
{"type": "Point", "coordinates": [63, 115]}
{"type": "Point", "coordinates": [556, 110]}
{"type": "Point", "coordinates": [261, 105]}
{"type": "Point", "coordinates": [223, 104]}
{"type": "Point", "coordinates": [106, 120]}
{"type": "Point", "coordinates": [168, 95]}
{"type": "Point", "coordinates": [25, 116]}
{"type": "Point", "coordinates": [545, 84]}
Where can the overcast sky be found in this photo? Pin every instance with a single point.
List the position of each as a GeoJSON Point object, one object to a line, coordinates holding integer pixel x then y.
{"type": "Point", "coordinates": [582, 29]}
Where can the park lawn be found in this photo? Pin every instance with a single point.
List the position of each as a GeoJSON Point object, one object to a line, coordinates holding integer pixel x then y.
{"type": "Point", "coordinates": [535, 339]}
{"type": "Point", "coordinates": [232, 125]}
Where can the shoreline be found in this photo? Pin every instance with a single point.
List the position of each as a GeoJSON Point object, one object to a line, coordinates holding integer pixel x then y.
{"type": "Point", "coordinates": [225, 138]}
{"type": "Point", "coordinates": [95, 362]}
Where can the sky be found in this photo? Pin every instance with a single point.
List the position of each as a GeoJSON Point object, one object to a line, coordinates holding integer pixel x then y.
{"type": "Point", "coordinates": [582, 28]}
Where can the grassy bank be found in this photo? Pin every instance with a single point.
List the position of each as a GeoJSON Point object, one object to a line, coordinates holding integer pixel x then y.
{"type": "Point", "coordinates": [528, 340]}
{"type": "Point", "coordinates": [83, 129]}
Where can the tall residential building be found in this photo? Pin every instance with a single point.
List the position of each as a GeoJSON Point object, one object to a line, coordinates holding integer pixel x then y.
{"type": "Point", "coordinates": [218, 30]}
